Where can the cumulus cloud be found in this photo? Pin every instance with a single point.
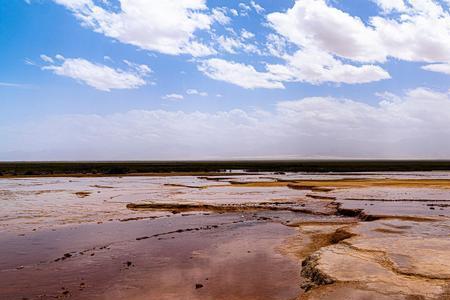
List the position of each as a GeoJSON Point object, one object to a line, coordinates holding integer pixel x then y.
{"type": "Point", "coordinates": [98, 76]}
{"type": "Point", "coordinates": [314, 23]}
{"type": "Point", "coordinates": [413, 125]}
{"type": "Point", "coordinates": [319, 43]}
{"type": "Point", "coordinates": [311, 66]}
{"type": "Point", "coordinates": [344, 47]}
{"type": "Point", "coordinates": [167, 26]}
{"type": "Point", "coordinates": [316, 67]}
{"type": "Point", "coordinates": [417, 31]}
{"type": "Point", "coordinates": [243, 75]}
{"type": "Point", "coordinates": [440, 68]}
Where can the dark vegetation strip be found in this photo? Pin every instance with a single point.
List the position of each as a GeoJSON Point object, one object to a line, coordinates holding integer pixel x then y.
{"type": "Point", "coordinates": [141, 167]}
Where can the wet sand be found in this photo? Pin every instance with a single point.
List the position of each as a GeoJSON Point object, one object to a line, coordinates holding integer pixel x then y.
{"type": "Point", "coordinates": [259, 236]}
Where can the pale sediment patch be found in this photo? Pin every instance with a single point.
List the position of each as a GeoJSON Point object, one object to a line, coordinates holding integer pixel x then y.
{"type": "Point", "coordinates": [330, 184]}
{"type": "Point", "coordinates": [411, 263]}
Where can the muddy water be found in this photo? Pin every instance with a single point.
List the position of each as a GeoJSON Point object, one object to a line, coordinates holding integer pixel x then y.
{"type": "Point", "coordinates": [226, 256]}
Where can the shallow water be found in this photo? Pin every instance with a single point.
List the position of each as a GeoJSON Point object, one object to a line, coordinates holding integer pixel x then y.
{"type": "Point", "coordinates": [33, 203]}
{"type": "Point", "coordinates": [74, 237]}
{"type": "Point", "coordinates": [231, 255]}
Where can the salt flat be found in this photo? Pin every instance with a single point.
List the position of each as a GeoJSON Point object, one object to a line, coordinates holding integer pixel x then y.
{"type": "Point", "coordinates": [255, 236]}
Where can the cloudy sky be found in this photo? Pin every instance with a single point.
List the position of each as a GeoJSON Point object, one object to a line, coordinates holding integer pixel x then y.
{"type": "Point", "coordinates": [210, 79]}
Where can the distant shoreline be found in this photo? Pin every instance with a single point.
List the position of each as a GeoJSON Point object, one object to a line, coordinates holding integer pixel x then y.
{"type": "Point", "coordinates": [88, 175]}
{"type": "Point", "coordinates": [210, 168]}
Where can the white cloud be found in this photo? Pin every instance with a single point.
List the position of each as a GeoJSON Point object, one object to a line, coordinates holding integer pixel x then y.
{"type": "Point", "coordinates": [259, 9]}
{"type": "Point", "coordinates": [310, 66]}
{"type": "Point", "coordinates": [46, 58]}
{"type": "Point", "coordinates": [276, 45]}
{"type": "Point", "coordinates": [389, 6]}
{"type": "Point", "coordinates": [247, 34]}
{"type": "Point", "coordinates": [236, 44]}
{"type": "Point", "coordinates": [167, 26]}
{"type": "Point", "coordinates": [334, 46]}
{"type": "Point", "coordinates": [440, 68]}
{"type": "Point", "coordinates": [99, 76]}
{"type": "Point", "coordinates": [140, 68]}
{"type": "Point", "coordinates": [245, 76]}
{"type": "Point", "coordinates": [316, 67]}
{"type": "Point", "coordinates": [229, 44]}
{"type": "Point", "coordinates": [196, 92]}
{"type": "Point", "coordinates": [350, 49]}
{"type": "Point", "coordinates": [29, 62]}
{"type": "Point", "coordinates": [414, 125]}
{"type": "Point", "coordinates": [173, 97]}
{"type": "Point", "coordinates": [244, 9]}
{"type": "Point", "coordinates": [313, 23]}
{"type": "Point", "coordinates": [244, 6]}
{"type": "Point", "coordinates": [421, 35]}
{"type": "Point", "coordinates": [14, 85]}
{"type": "Point", "coordinates": [420, 31]}
{"type": "Point", "coordinates": [220, 15]}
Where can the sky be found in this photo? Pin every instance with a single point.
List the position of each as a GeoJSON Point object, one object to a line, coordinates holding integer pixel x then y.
{"type": "Point", "coordinates": [236, 79]}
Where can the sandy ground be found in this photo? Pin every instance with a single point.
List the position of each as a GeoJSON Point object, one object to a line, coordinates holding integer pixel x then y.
{"type": "Point", "coordinates": [261, 236]}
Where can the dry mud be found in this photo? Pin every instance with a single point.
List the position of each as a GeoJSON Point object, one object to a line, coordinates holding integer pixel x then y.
{"type": "Point", "coordinates": [257, 236]}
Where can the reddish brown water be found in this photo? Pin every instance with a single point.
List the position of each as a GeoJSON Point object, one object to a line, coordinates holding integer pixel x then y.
{"type": "Point", "coordinates": [235, 260]}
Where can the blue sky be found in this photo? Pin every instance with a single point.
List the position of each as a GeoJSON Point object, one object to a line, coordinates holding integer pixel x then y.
{"type": "Point", "coordinates": [197, 79]}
